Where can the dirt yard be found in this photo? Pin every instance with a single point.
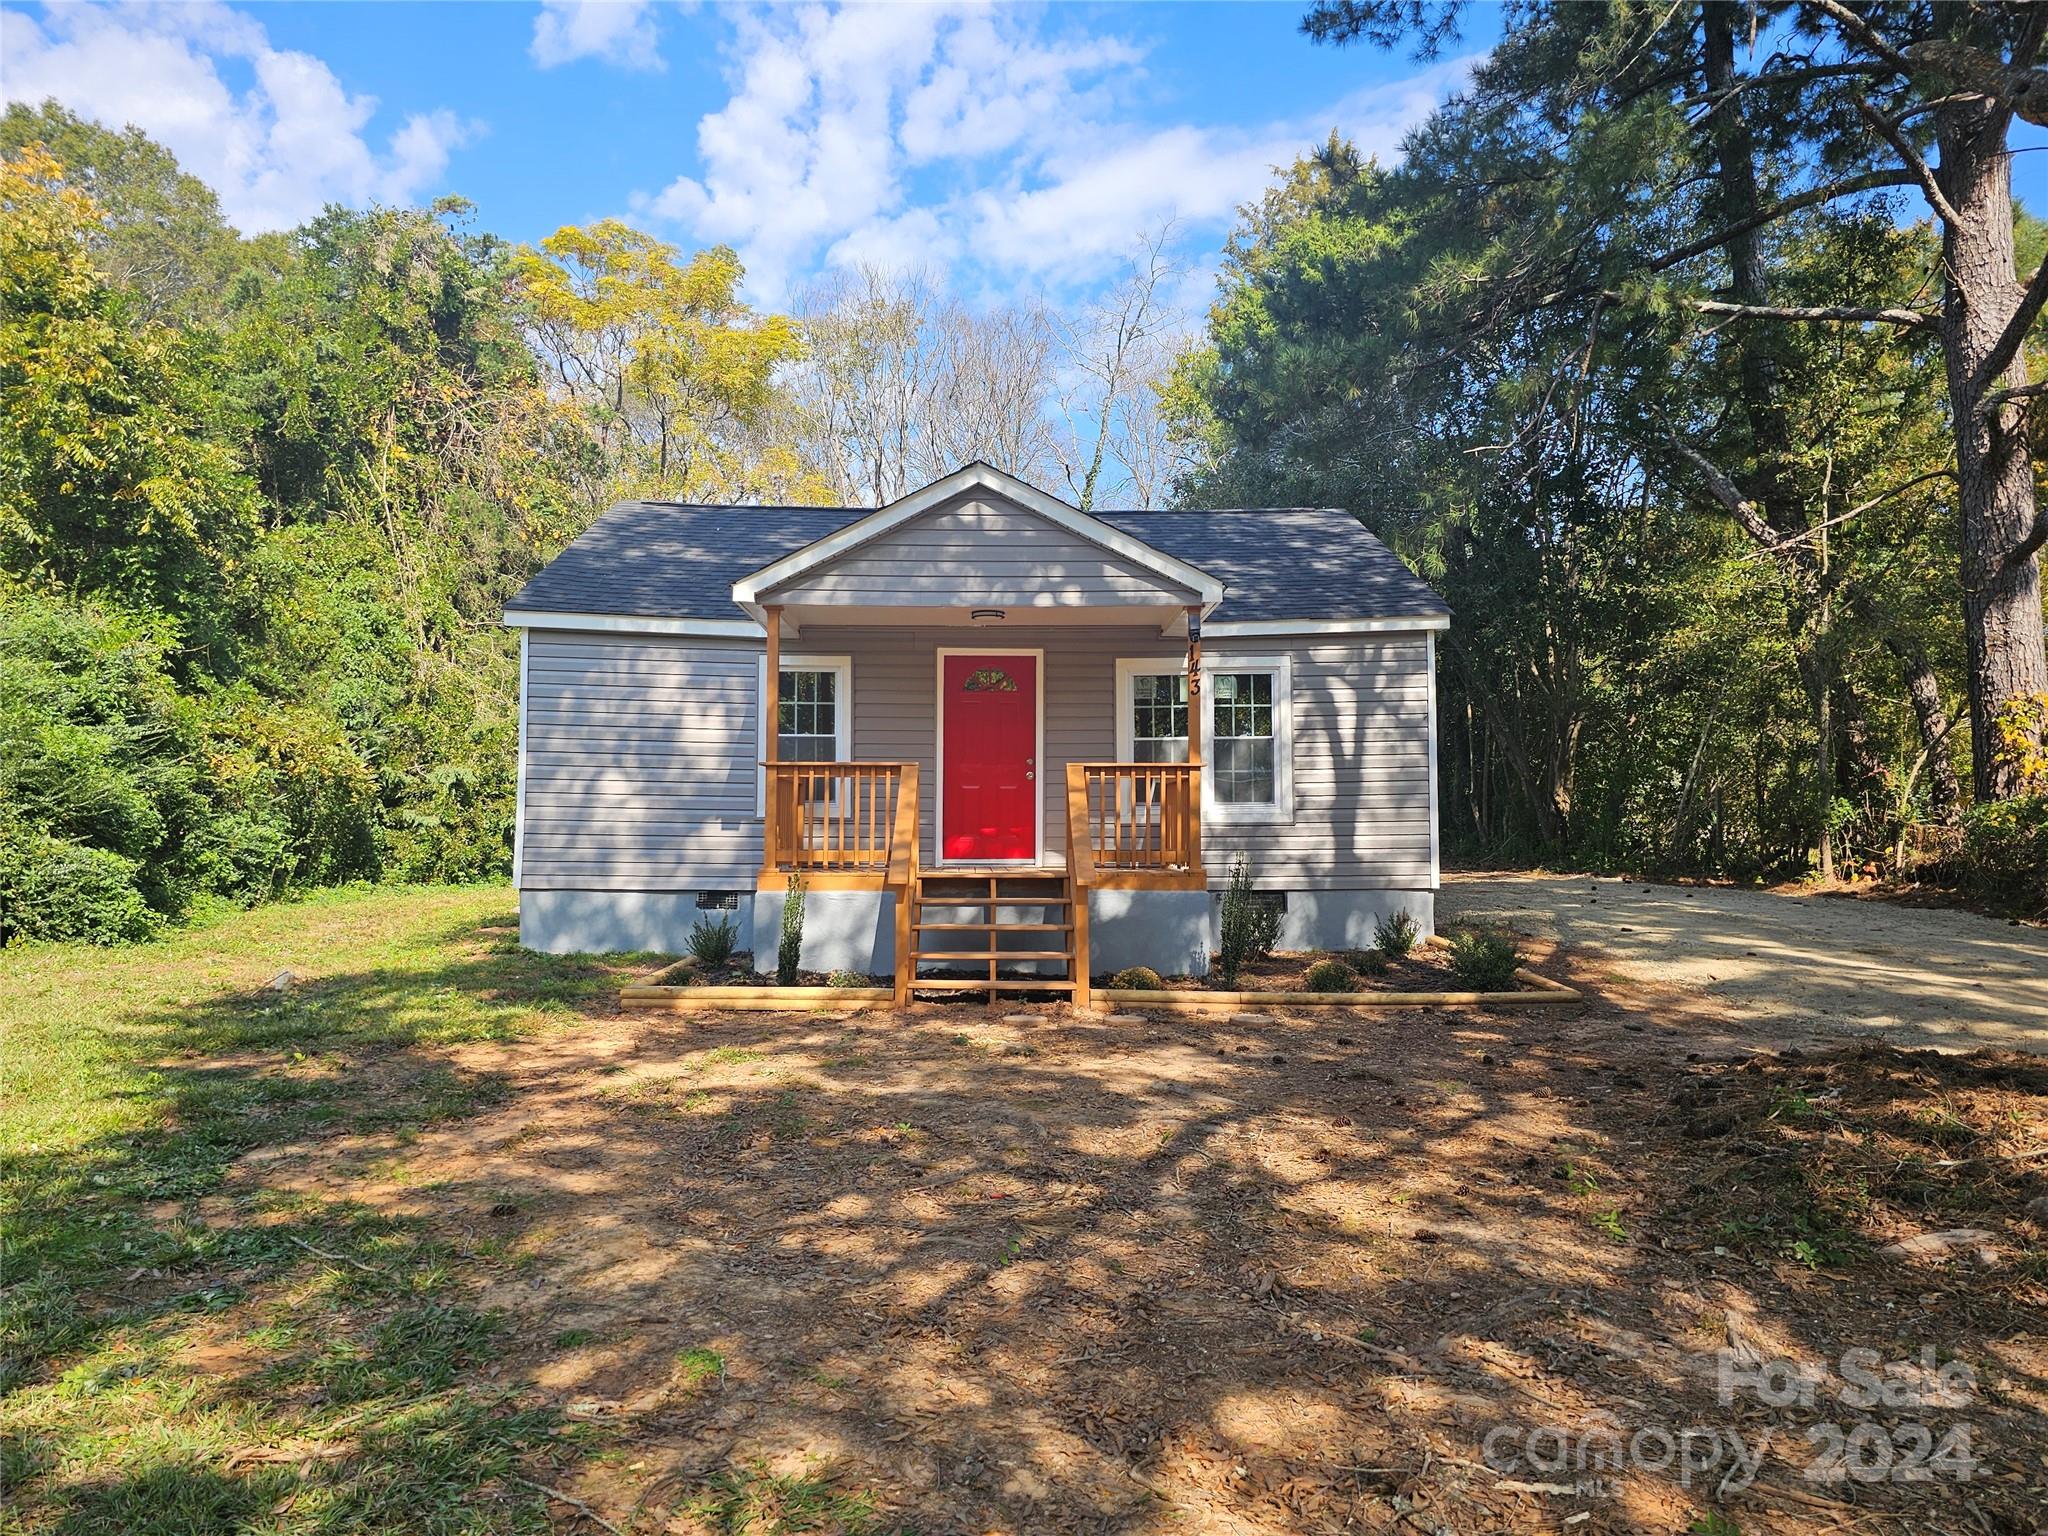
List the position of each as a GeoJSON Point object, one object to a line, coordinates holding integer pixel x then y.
{"type": "Point", "coordinates": [1791, 967]}
{"type": "Point", "coordinates": [963, 1273]}
{"type": "Point", "coordinates": [436, 1238]}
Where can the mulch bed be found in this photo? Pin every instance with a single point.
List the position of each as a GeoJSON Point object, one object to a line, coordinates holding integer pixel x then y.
{"type": "Point", "coordinates": [1426, 968]}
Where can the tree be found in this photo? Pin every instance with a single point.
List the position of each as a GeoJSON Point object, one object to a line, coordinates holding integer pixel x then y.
{"type": "Point", "coordinates": [1703, 159]}
{"type": "Point", "coordinates": [161, 235]}
{"type": "Point", "coordinates": [117, 471]}
{"type": "Point", "coordinates": [900, 385]}
{"type": "Point", "coordinates": [675, 375]}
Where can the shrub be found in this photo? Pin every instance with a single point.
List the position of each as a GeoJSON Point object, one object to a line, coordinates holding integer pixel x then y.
{"type": "Point", "coordinates": [1136, 978]}
{"type": "Point", "coordinates": [791, 949]}
{"type": "Point", "coordinates": [1330, 974]}
{"type": "Point", "coordinates": [52, 889]}
{"type": "Point", "coordinates": [1371, 962]}
{"type": "Point", "coordinates": [2005, 852]}
{"type": "Point", "coordinates": [1248, 927]}
{"type": "Point", "coordinates": [1395, 934]}
{"type": "Point", "coordinates": [712, 942]}
{"type": "Point", "coordinates": [1484, 962]}
{"type": "Point", "coordinates": [848, 979]}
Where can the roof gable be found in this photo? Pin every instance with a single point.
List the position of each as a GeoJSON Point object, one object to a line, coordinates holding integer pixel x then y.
{"type": "Point", "coordinates": [1126, 555]}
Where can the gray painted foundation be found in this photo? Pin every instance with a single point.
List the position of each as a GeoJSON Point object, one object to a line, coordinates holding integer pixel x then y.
{"type": "Point", "coordinates": [843, 931]}
{"type": "Point", "coordinates": [607, 922]}
{"type": "Point", "coordinates": [1161, 929]}
{"type": "Point", "coordinates": [1345, 919]}
{"type": "Point", "coordinates": [855, 930]}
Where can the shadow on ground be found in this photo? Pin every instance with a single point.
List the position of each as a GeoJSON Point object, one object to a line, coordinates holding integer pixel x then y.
{"type": "Point", "coordinates": [962, 1271]}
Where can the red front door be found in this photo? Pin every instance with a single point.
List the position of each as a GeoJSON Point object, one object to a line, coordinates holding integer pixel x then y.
{"type": "Point", "coordinates": [990, 752]}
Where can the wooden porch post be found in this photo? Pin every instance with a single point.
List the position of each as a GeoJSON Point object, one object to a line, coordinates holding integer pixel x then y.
{"type": "Point", "coordinates": [1193, 839]}
{"type": "Point", "coordinates": [772, 829]}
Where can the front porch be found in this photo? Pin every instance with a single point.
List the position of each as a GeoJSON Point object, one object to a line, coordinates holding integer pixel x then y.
{"type": "Point", "coordinates": [853, 827]}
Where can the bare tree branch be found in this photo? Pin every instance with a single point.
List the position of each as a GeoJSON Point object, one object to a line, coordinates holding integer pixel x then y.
{"type": "Point", "coordinates": [2023, 551]}
{"type": "Point", "coordinates": [1929, 187]}
{"type": "Point", "coordinates": [1739, 506]}
{"type": "Point", "coordinates": [2014, 336]}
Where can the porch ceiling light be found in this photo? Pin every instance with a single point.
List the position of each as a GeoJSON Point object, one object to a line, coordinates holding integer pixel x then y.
{"type": "Point", "coordinates": [986, 616]}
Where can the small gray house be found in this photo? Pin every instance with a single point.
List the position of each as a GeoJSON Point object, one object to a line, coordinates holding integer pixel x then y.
{"type": "Point", "coordinates": [1013, 743]}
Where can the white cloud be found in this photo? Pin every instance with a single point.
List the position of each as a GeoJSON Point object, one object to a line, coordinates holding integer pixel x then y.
{"type": "Point", "coordinates": [277, 149]}
{"type": "Point", "coordinates": [617, 32]}
{"type": "Point", "coordinates": [964, 136]}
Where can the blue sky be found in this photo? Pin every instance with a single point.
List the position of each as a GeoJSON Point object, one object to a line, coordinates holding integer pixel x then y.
{"type": "Point", "coordinates": [1008, 149]}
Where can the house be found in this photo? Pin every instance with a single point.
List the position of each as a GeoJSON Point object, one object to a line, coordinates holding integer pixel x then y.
{"type": "Point", "coordinates": [1015, 742]}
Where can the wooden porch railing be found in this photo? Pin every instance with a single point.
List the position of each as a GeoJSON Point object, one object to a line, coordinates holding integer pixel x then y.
{"type": "Point", "coordinates": [854, 824]}
{"type": "Point", "coordinates": [1140, 817]}
{"type": "Point", "coordinates": [842, 818]}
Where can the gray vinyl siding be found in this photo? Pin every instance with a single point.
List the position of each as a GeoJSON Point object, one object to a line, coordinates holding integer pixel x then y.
{"type": "Point", "coordinates": [983, 551]}
{"type": "Point", "coordinates": [640, 755]}
{"type": "Point", "coordinates": [1361, 769]}
{"type": "Point", "coordinates": [640, 750]}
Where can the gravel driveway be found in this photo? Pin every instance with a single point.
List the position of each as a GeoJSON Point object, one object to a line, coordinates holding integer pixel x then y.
{"type": "Point", "coordinates": [1791, 966]}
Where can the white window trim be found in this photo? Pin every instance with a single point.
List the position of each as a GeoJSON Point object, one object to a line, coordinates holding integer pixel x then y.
{"type": "Point", "coordinates": [764, 711]}
{"type": "Point", "coordinates": [1282, 808]}
{"type": "Point", "coordinates": [1214, 810]}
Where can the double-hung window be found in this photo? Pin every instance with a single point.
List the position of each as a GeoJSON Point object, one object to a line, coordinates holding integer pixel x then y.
{"type": "Point", "coordinates": [1248, 738]}
{"type": "Point", "coordinates": [813, 711]}
{"type": "Point", "coordinates": [1246, 722]}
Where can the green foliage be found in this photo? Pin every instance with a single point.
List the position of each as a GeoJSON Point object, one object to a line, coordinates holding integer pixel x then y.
{"type": "Point", "coordinates": [163, 239]}
{"type": "Point", "coordinates": [118, 473]}
{"type": "Point", "coordinates": [283, 489]}
{"type": "Point", "coordinates": [1136, 978]}
{"type": "Point", "coordinates": [1247, 927]}
{"type": "Point", "coordinates": [50, 889]}
{"type": "Point", "coordinates": [1330, 974]}
{"type": "Point", "coordinates": [1395, 934]}
{"type": "Point", "coordinates": [712, 940]}
{"type": "Point", "coordinates": [2005, 853]}
{"type": "Point", "coordinates": [1484, 961]}
{"type": "Point", "coordinates": [848, 979]}
{"type": "Point", "coordinates": [789, 950]}
{"type": "Point", "coordinates": [1371, 962]}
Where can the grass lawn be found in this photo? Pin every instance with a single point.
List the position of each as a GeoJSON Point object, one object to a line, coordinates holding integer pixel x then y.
{"type": "Point", "coordinates": [176, 1361]}
{"type": "Point", "coordinates": [433, 1238]}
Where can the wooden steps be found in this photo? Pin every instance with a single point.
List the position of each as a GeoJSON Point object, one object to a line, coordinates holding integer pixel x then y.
{"type": "Point", "coordinates": [1036, 902]}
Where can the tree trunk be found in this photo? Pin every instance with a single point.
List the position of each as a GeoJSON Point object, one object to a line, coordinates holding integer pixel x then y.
{"type": "Point", "coordinates": [1944, 794]}
{"type": "Point", "coordinates": [2002, 629]}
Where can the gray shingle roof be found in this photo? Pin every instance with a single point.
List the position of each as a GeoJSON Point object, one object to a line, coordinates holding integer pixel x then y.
{"type": "Point", "coordinates": [669, 560]}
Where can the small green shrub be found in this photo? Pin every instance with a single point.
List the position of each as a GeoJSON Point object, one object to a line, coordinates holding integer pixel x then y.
{"type": "Point", "coordinates": [848, 979]}
{"type": "Point", "coordinates": [791, 949]}
{"type": "Point", "coordinates": [1330, 975]}
{"type": "Point", "coordinates": [1248, 927]}
{"type": "Point", "coordinates": [1395, 934]}
{"type": "Point", "coordinates": [712, 941]}
{"type": "Point", "coordinates": [1371, 962]}
{"type": "Point", "coordinates": [1483, 961]}
{"type": "Point", "coordinates": [1136, 978]}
